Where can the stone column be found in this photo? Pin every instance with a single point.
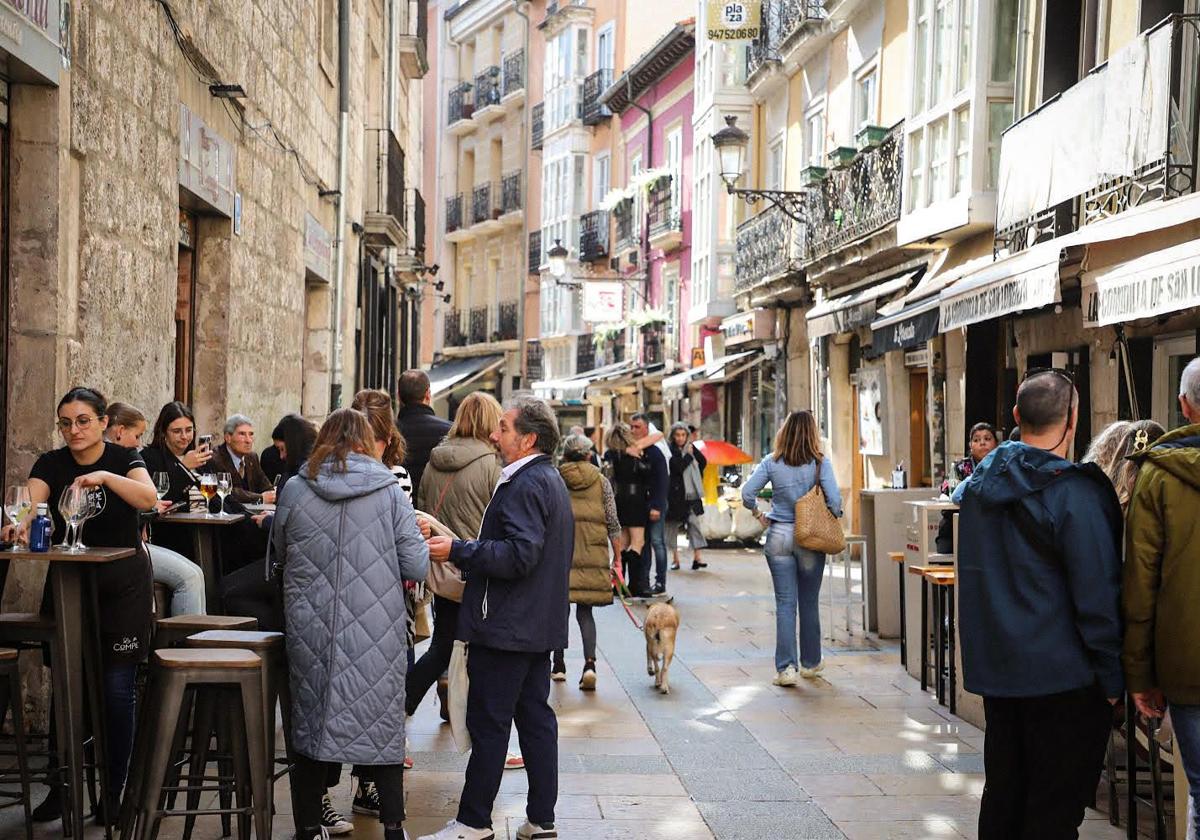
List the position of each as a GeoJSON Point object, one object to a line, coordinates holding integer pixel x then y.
{"type": "Point", "coordinates": [210, 353]}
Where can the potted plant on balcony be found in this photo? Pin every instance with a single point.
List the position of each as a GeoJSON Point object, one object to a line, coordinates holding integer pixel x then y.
{"type": "Point", "coordinates": [870, 136]}
{"type": "Point", "coordinates": [842, 155]}
{"type": "Point", "coordinates": [811, 175]}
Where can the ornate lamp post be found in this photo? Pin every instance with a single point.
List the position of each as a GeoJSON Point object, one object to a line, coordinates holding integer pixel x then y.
{"type": "Point", "coordinates": [731, 143]}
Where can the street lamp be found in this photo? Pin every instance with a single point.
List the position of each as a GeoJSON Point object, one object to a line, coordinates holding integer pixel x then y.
{"type": "Point", "coordinates": [558, 260]}
{"type": "Point", "coordinates": [730, 143]}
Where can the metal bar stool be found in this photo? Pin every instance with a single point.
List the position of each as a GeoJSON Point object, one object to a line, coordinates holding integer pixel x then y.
{"type": "Point", "coordinates": [897, 557]}
{"type": "Point", "coordinates": [943, 581]}
{"type": "Point", "coordinates": [176, 674]}
{"type": "Point", "coordinates": [926, 637]}
{"type": "Point", "coordinates": [10, 696]}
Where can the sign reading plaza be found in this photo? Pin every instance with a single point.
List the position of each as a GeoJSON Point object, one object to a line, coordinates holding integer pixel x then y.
{"type": "Point", "coordinates": [1157, 284]}
{"type": "Point", "coordinates": [734, 20]}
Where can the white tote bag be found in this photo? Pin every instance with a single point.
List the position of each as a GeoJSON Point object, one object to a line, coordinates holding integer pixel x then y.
{"type": "Point", "coordinates": [457, 696]}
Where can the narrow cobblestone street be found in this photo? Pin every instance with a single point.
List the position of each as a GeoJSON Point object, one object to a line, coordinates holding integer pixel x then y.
{"type": "Point", "coordinates": [860, 753]}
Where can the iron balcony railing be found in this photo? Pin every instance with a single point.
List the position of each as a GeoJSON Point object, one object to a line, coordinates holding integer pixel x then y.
{"type": "Point", "coordinates": [461, 106]}
{"type": "Point", "coordinates": [510, 193]}
{"type": "Point", "coordinates": [533, 361]}
{"type": "Point", "coordinates": [452, 332]}
{"type": "Point", "coordinates": [782, 21]}
{"type": "Point", "coordinates": [478, 325]}
{"type": "Point", "coordinates": [770, 245]}
{"type": "Point", "coordinates": [585, 353]}
{"type": "Point", "coordinates": [593, 236]}
{"type": "Point", "coordinates": [454, 213]}
{"type": "Point", "coordinates": [595, 111]}
{"type": "Point", "coordinates": [664, 215]}
{"type": "Point", "coordinates": [483, 203]}
{"type": "Point", "coordinates": [417, 223]}
{"type": "Point", "coordinates": [856, 200]}
{"type": "Point", "coordinates": [537, 125]}
{"type": "Point", "coordinates": [1133, 124]}
{"type": "Point", "coordinates": [535, 251]}
{"type": "Point", "coordinates": [487, 88]}
{"type": "Point", "coordinates": [628, 232]}
{"type": "Point", "coordinates": [506, 321]}
{"type": "Point", "coordinates": [389, 176]}
{"type": "Point", "coordinates": [514, 72]}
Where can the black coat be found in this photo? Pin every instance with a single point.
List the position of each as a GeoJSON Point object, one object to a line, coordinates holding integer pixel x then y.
{"type": "Point", "coordinates": [517, 572]}
{"type": "Point", "coordinates": [422, 430]}
{"type": "Point", "coordinates": [678, 507]}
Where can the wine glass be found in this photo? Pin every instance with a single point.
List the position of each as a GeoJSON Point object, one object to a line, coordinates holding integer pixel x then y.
{"type": "Point", "coordinates": [208, 489]}
{"type": "Point", "coordinates": [71, 503]}
{"type": "Point", "coordinates": [162, 484]}
{"type": "Point", "coordinates": [90, 507]}
{"type": "Point", "coordinates": [224, 484]}
{"type": "Point", "coordinates": [17, 507]}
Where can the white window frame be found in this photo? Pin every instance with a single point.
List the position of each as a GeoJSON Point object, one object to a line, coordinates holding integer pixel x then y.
{"type": "Point", "coordinates": [773, 177]}
{"type": "Point", "coordinates": [601, 177]}
{"type": "Point", "coordinates": [639, 201]}
{"type": "Point", "coordinates": [868, 71]}
{"type": "Point", "coordinates": [563, 70]}
{"type": "Point", "coordinates": [814, 155]}
{"type": "Point", "coordinates": [607, 32]}
{"type": "Point", "coordinates": [674, 161]}
{"type": "Point", "coordinates": [671, 279]}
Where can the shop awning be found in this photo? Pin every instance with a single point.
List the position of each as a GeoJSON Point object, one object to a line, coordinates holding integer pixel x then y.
{"type": "Point", "coordinates": [909, 326]}
{"type": "Point", "coordinates": [1027, 280]}
{"type": "Point", "coordinates": [1158, 283]}
{"type": "Point", "coordinates": [454, 373]}
{"type": "Point", "coordinates": [718, 370]}
{"type": "Point", "coordinates": [574, 388]}
{"type": "Point", "coordinates": [845, 313]}
{"type": "Point", "coordinates": [629, 377]}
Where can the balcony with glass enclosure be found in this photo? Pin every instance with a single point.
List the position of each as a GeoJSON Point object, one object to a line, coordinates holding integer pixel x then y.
{"type": "Point", "coordinates": [487, 96]}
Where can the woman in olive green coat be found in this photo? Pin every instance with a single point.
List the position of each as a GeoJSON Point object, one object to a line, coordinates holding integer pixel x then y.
{"type": "Point", "coordinates": [596, 528]}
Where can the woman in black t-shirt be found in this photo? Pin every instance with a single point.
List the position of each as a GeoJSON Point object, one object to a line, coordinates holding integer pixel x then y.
{"type": "Point", "coordinates": [173, 450]}
{"type": "Point", "coordinates": [118, 480]}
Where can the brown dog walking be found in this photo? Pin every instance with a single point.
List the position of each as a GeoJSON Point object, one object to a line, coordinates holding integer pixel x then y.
{"type": "Point", "coordinates": [662, 622]}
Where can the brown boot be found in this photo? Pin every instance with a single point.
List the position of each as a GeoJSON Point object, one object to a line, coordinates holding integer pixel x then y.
{"type": "Point", "coordinates": [443, 691]}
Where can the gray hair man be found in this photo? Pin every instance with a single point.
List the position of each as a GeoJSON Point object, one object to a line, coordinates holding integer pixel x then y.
{"type": "Point", "coordinates": [236, 456]}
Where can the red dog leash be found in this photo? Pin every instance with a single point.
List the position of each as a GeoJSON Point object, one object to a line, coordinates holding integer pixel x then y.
{"type": "Point", "coordinates": [622, 591]}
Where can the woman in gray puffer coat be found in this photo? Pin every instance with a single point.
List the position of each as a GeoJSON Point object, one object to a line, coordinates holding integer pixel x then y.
{"type": "Point", "coordinates": [349, 539]}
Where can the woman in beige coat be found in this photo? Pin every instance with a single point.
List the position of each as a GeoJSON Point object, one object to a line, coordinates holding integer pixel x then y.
{"type": "Point", "coordinates": [456, 487]}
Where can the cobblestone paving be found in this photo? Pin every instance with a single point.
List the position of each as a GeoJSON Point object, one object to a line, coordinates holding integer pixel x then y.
{"type": "Point", "coordinates": [860, 753]}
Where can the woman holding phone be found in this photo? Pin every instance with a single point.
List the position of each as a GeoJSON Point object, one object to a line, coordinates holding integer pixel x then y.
{"type": "Point", "coordinates": [173, 450]}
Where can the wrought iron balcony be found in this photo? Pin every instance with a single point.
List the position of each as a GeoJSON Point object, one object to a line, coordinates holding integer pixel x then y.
{"type": "Point", "coordinates": [460, 105]}
{"type": "Point", "coordinates": [454, 213]}
{"type": "Point", "coordinates": [487, 88]}
{"type": "Point", "coordinates": [384, 220]}
{"type": "Point", "coordinates": [535, 251]}
{"type": "Point", "coordinates": [585, 353]}
{"type": "Point", "coordinates": [652, 344]}
{"type": "Point", "coordinates": [666, 223]}
{"type": "Point", "coordinates": [452, 332]}
{"type": "Point", "coordinates": [479, 325]}
{"type": "Point", "coordinates": [769, 246]}
{"type": "Point", "coordinates": [533, 361]}
{"type": "Point", "coordinates": [1133, 126]}
{"type": "Point", "coordinates": [628, 231]}
{"type": "Point", "coordinates": [594, 111]}
{"type": "Point", "coordinates": [506, 321]}
{"type": "Point", "coordinates": [593, 236]}
{"type": "Point", "coordinates": [514, 73]}
{"type": "Point", "coordinates": [416, 228]}
{"type": "Point", "coordinates": [854, 201]}
{"type": "Point", "coordinates": [412, 42]}
{"type": "Point", "coordinates": [483, 203]}
{"type": "Point", "coordinates": [782, 23]}
{"type": "Point", "coordinates": [537, 125]}
{"type": "Point", "coordinates": [510, 193]}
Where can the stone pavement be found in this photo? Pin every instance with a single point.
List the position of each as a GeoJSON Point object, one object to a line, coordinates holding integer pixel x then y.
{"type": "Point", "coordinates": [860, 753]}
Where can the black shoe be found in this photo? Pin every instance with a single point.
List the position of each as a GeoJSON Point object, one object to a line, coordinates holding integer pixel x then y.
{"type": "Point", "coordinates": [696, 564]}
{"type": "Point", "coordinates": [587, 682]}
{"type": "Point", "coordinates": [51, 807]}
{"type": "Point", "coordinates": [366, 799]}
{"type": "Point", "coordinates": [558, 670]}
{"type": "Point", "coordinates": [108, 812]}
{"type": "Point", "coordinates": [658, 589]}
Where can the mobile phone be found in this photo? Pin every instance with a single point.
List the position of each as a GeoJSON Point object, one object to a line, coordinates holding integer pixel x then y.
{"type": "Point", "coordinates": [206, 440]}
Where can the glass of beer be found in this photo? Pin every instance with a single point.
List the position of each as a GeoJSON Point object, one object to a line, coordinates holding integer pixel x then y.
{"type": "Point", "coordinates": [208, 489]}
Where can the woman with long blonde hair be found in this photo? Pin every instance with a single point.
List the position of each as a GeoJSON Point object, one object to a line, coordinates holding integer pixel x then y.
{"type": "Point", "coordinates": [1110, 451]}
{"type": "Point", "coordinates": [795, 466]}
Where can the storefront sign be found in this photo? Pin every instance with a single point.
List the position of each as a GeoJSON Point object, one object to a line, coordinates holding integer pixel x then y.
{"type": "Point", "coordinates": [29, 33]}
{"type": "Point", "coordinates": [1160, 283]}
{"type": "Point", "coordinates": [909, 332]}
{"type": "Point", "coordinates": [205, 163]}
{"type": "Point", "coordinates": [697, 357]}
{"type": "Point", "coordinates": [1030, 290]}
{"type": "Point", "coordinates": [318, 249]}
{"type": "Point", "coordinates": [755, 325]}
{"type": "Point", "coordinates": [849, 312]}
{"type": "Point", "coordinates": [734, 20]}
{"type": "Point", "coordinates": [872, 409]}
{"type": "Point", "coordinates": [602, 302]}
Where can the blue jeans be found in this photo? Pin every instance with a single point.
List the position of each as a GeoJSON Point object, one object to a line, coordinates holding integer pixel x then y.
{"type": "Point", "coordinates": [656, 541]}
{"type": "Point", "coordinates": [1186, 720]}
{"type": "Point", "coordinates": [183, 577]}
{"type": "Point", "coordinates": [796, 573]}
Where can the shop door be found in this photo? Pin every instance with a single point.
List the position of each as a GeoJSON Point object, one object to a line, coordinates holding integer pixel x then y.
{"type": "Point", "coordinates": [1171, 355]}
{"type": "Point", "coordinates": [918, 429]}
{"type": "Point", "coordinates": [185, 307]}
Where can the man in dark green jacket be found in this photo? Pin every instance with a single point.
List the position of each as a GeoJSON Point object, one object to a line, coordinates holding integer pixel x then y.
{"type": "Point", "coordinates": [1161, 591]}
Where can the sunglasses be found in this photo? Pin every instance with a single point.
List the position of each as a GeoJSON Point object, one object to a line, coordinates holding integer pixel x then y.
{"type": "Point", "coordinates": [1059, 372]}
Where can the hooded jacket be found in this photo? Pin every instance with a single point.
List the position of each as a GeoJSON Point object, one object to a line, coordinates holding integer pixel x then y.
{"type": "Point", "coordinates": [349, 540]}
{"type": "Point", "coordinates": [458, 483]}
{"type": "Point", "coordinates": [591, 581]}
{"type": "Point", "coordinates": [1162, 569]}
{"type": "Point", "coordinates": [1039, 575]}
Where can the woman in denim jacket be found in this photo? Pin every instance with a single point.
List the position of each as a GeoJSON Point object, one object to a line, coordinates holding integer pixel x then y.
{"type": "Point", "coordinates": [792, 469]}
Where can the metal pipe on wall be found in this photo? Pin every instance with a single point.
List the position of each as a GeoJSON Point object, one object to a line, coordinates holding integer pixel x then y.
{"type": "Point", "coordinates": [339, 274]}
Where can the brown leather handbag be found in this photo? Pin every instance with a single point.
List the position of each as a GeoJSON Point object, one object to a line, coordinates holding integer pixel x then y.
{"type": "Point", "coordinates": [817, 529]}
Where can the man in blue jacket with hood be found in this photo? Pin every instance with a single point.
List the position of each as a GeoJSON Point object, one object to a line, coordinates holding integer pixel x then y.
{"type": "Point", "coordinates": [1039, 577]}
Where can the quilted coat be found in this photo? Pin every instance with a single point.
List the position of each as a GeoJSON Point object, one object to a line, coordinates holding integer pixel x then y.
{"type": "Point", "coordinates": [349, 540]}
{"type": "Point", "coordinates": [590, 581]}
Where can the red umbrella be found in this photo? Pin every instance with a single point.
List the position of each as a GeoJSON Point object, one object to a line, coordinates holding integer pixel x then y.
{"type": "Point", "coordinates": [722, 454]}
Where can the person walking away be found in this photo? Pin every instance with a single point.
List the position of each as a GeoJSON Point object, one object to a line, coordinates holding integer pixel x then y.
{"type": "Point", "coordinates": [422, 429]}
{"type": "Point", "coordinates": [514, 612]}
{"type": "Point", "coordinates": [656, 501]}
{"type": "Point", "coordinates": [629, 476]}
{"type": "Point", "coordinates": [349, 539]}
{"type": "Point", "coordinates": [116, 480]}
{"type": "Point", "coordinates": [597, 527]}
{"type": "Point", "coordinates": [1161, 655]}
{"type": "Point", "coordinates": [455, 490]}
{"type": "Point", "coordinates": [1039, 570]}
{"type": "Point", "coordinates": [793, 468]}
{"type": "Point", "coordinates": [181, 576]}
{"type": "Point", "coordinates": [685, 494]}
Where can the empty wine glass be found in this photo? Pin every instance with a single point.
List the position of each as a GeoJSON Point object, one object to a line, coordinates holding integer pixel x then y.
{"type": "Point", "coordinates": [17, 507]}
{"type": "Point", "coordinates": [91, 506]}
{"type": "Point", "coordinates": [71, 503]}
{"type": "Point", "coordinates": [224, 484]}
{"type": "Point", "coordinates": [208, 489]}
{"type": "Point", "coordinates": [162, 484]}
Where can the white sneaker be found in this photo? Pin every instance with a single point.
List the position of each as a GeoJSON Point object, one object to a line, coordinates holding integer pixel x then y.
{"type": "Point", "coordinates": [532, 831]}
{"type": "Point", "coordinates": [454, 830]}
{"type": "Point", "coordinates": [811, 673]}
{"type": "Point", "coordinates": [786, 677]}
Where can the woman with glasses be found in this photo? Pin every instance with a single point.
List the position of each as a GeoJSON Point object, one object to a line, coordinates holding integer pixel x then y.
{"type": "Point", "coordinates": [173, 450]}
{"type": "Point", "coordinates": [117, 481]}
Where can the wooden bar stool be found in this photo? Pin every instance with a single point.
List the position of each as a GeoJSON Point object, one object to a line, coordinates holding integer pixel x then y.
{"type": "Point", "coordinates": [10, 696]}
{"type": "Point", "coordinates": [170, 632]}
{"type": "Point", "coordinates": [176, 674]}
{"type": "Point", "coordinates": [897, 557]}
{"type": "Point", "coordinates": [943, 581]}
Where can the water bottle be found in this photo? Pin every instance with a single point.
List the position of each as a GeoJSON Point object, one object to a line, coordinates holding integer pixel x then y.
{"type": "Point", "coordinates": [41, 529]}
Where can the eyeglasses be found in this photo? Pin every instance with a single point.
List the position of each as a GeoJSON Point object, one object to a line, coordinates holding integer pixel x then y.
{"type": "Point", "coordinates": [65, 423]}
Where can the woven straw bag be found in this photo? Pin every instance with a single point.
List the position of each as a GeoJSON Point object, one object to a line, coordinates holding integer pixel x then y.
{"type": "Point", "coordinates": [817, 529]}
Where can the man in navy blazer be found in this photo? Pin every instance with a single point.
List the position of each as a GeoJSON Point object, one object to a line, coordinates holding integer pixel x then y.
{"type": "Point", "coordinates": [514, 612]}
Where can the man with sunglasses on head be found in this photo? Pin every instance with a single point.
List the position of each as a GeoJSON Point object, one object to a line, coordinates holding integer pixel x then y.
{"type": "Point", "coordinates": [1039, 585]}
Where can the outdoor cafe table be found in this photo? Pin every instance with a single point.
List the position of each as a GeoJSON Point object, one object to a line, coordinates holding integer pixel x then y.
{"type": "Point", "coordinates": [206, 548]}
{"type": "Point", "coordinates": [70, 655]}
